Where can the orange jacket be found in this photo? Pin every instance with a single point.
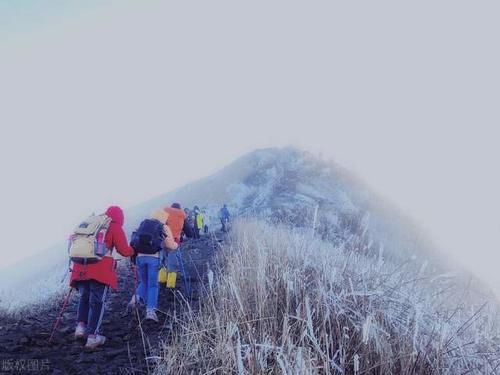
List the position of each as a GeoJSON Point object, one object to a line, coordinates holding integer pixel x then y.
{"type": "Point", "coordinates": [170, 244]}
{"type": "Point", "coordinates": [176, 221]}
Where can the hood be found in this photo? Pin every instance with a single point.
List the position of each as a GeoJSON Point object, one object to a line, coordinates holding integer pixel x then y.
{"type": "Point", "coordinates": [116, 215]}
{"type": "Point", "coordinates": [160, 215]}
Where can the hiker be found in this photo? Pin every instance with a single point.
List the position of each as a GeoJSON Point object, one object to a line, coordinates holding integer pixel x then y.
{"type": "Point", "coordinates": [93, 281]}
{"type": "Point", "coordinates": [205, 222]}
{"type": "Point", "coordinates": [188, 227]}
{"type": "Point", "coordinates": [176, 221]}
{"type": "Point", "coordinates": [198, 221]}
{"type": "Point", "coordinates": [149, 242]}
{"type": "Point", "coordinates": [224, 217]}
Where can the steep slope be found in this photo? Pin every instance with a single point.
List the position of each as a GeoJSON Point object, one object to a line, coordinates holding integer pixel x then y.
{"type": "Point", "coordinates": [319, 203]}
{"type": "Point", "coordinates": [278, 184]}
{"type": "Point", "coordinates": [132, 346]}
{"type": "Point", "coordinates": [291, 186]}
{"type": "Point", "coordinates": [285, 302]}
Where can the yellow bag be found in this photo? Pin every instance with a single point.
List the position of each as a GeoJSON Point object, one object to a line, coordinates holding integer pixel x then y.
{"type": "Point", "coordinates": [162, 275]}
{"type": "Point", "coordinates": [171, 279]}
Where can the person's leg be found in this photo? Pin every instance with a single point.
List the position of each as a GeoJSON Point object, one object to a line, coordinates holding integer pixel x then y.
{"type": "Point", "coordinates": [153, 266]}
{"type": "Point", "coordinates": [98, 294]}
{"type": "Point", "coordinates": [142, 278]}
{"type": "Point", "coordinates": [83, 304]}
{"type": "Point", "coordinates": [163, 257]}
{"type": "Point", "coordinates": [172, 264]}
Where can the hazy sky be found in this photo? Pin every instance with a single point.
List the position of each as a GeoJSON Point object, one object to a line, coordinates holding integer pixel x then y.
{"type": "Point", "coordinates": [115, 102]}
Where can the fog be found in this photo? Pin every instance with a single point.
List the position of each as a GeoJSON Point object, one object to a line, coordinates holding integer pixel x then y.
{"type": "Point", "coordinates": [113, 103]}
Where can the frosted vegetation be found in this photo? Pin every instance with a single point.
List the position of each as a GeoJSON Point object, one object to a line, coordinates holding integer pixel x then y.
{"type": "Point", "coordinates": [282, 185]}
{"type": "Point", "coordinates": [35, 282]}
{"type": "Point", "coordinates": [364, 292]}
{"type": "Point", "coordinates": [281, 301]}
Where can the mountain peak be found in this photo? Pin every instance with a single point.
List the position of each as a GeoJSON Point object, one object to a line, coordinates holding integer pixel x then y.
{"type": "Point", "coordinates": [295, 187]}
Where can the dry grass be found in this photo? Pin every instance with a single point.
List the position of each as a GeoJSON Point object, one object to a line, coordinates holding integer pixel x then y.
{"type": "Point", "coordinates": [282, 302]}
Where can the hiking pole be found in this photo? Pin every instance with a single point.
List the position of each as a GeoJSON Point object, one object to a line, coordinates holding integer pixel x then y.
{"type": "Point", "coordinates": [136, 282]}
{"type": "Point", "coordinates": [66, 273]}
{"type": "Point", "coordinates": [64, 276]}
{"type": "Point", "coordinates": [133, 267]}
{"type": "Point", "coordinates": [136, 308]}
{"type": "Point", "coordinates": [187, 283]}
{"type": "Point", "coordinates": [58, 320]}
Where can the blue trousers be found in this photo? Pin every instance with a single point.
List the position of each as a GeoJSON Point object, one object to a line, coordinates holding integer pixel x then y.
{"type": "Point", "coordinates": [173, 261]}
{"type": "Point", "coordinates": [91, 305]}
{"type": "Point", "coordinates": [148, 289]}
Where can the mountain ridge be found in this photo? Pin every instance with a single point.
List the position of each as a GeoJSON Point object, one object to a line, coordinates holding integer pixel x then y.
{"type": "Point", "coordinates": [283, 185]}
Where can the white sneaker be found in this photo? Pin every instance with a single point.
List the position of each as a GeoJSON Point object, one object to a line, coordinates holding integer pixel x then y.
{"type": "Point", "coordinates": [80, 331]}
{"type": "Point", "coordinates": [93, 341]}
{"type": "Point", "coordinates": [151, 315]}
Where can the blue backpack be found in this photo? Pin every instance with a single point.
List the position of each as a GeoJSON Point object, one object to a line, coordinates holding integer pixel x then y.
{"type": "Point", "coordinates": [148, 238]}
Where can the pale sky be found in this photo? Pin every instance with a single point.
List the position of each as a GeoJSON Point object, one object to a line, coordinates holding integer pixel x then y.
{"type": "Point", "coordinates": [115, 102]}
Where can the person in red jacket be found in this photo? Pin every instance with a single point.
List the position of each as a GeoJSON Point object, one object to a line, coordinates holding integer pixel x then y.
{"type": "Point", "coordinates": [94, 280]}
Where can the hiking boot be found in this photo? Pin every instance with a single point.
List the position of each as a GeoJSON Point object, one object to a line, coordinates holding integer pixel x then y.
{"type": "Point", "coordinates": [80, 331]}
{"type": "Point", "coordinates": [94, 341]}
{"type": "Point", "coordinates": [151, 315]}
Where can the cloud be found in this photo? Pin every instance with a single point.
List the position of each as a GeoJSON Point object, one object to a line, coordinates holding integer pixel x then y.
{"type": "Point", "coordinates": [144, 98]}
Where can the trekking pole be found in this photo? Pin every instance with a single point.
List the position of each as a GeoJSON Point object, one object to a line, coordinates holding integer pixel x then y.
{"type": "Point", "coordinates": [68, 270]}
{"type": "Point", "coordinates": [136, 282]}
{"type": "Point", "coordinates": [64, 276]}
{"type": "Point", "coordinates": [58, 320]}
{"type": "Point", "coordinates": [187, 283]}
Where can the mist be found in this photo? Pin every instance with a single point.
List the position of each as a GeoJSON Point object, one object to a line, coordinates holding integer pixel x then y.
{"type": "Point", "coordinates": [115, 103]}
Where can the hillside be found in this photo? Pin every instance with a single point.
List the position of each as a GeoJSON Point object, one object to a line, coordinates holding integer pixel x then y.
{"type": "Point", "coordinates": [287, 185]}
{"type": "Point", "coordinates": [133, 344]}
{"type": "Point", "coordinates": [280, 185]}
{"type": "Point", "coordinates": [285, 302]}
{"type": "Point", "coordinates": [320, 275]}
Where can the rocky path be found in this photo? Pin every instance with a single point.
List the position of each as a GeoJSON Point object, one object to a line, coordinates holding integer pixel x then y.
{"type": "Point", "coordinates": [133, 344]}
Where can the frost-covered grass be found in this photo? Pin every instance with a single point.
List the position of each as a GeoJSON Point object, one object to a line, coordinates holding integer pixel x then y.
{"type": "Point", "coordinates": [34, 282]}
{"type": "Point", "coordinates": [281, 302]}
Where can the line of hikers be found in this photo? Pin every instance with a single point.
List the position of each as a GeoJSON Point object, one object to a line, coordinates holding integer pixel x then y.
{"type": "Point", "coordinates": [155, 241]}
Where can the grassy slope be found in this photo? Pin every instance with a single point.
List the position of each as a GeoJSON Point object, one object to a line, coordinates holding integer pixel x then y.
{"type": "Point", "coordinates": [283, 302]}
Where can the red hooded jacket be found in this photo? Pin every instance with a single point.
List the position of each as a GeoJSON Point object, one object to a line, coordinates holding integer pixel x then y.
{"type": "Point", "coordinates": [104, 270]}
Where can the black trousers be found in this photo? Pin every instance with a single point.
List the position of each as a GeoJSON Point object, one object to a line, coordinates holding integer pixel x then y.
{"type": "Point", "coordinates": [91, 305]}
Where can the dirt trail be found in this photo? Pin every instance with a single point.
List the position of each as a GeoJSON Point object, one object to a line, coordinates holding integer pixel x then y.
{"type": "Point", "coordinates": [24, 346]}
